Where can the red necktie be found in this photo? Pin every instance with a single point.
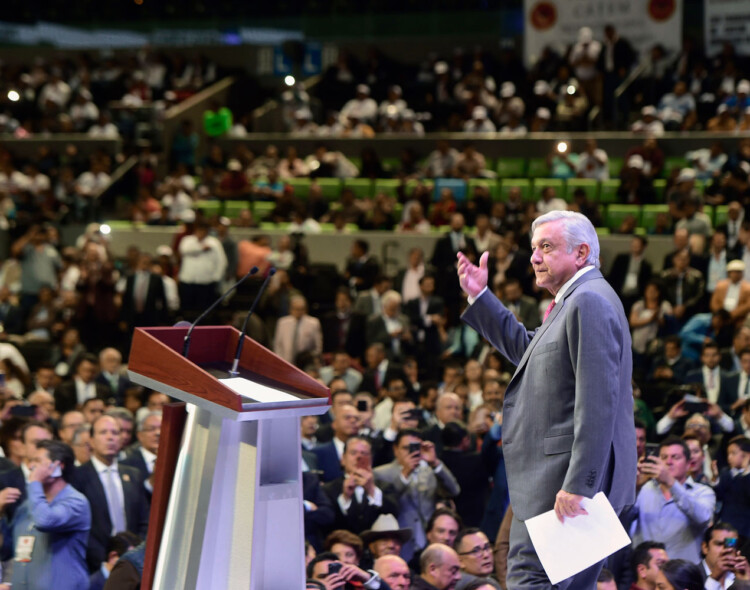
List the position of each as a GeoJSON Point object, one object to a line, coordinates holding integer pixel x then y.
{"type": "Point", "coordinates": [550, 307]}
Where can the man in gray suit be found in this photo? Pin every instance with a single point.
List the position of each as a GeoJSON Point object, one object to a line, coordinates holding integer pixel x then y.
{"type": "Point", "coordinates": [568, 412]}
{"type": "Point", "coordinates": [418, 477]}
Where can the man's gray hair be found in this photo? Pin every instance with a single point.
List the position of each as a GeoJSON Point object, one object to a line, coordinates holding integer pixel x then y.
{"type": "Point", "coordinates": [79, 431]}
{"type": "Point", "coordinates": [142, 421]}
{"type": "Point", "coordinates": [120, 413]}
{"type": "Point", "coordinates": [577, 230]}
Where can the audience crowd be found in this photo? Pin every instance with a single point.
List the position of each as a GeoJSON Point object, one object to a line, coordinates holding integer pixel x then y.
{"type": "Point", "coordinates": [403, 478]}
{"type": "Point", "coordinates": [480, 91]}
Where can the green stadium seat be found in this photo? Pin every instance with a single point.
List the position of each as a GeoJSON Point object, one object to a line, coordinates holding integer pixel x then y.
{"type": "Point", "coordinates": [649, 213]}
{"type": "Point", "coordinates": [119, 224]}
{"type": "Point", "coordinates": [391, 165]}
{"type": "Point", "coordinates": [537, 168]}
{"type": "Point", "coordinates": [330, 187]}
{"type": "Point", "coordinates": [301, 186]}
{"type": "Point", "coordinates": [640, 231]}
{"type": "Point", "coordinates": [262, 209]}
{"type": "Point", "coordinates": [617, 213]}
{"type": "Point", "coordinates": [660, 185]}
{"type": "Point", "coordinates": [268, 225]}
{"type": "Point", "coordinates": [540, 183]}
{"type": "Point", "coordinates": [673, 162]}
{"type": "Point", "coordinates": [608, 191]}
{"type": "Point", "coordinates": [510, 167]}
{"type": "Point", "coordinates": [615, 166]}
{"type": "Point", "coordinates": [602, 231]}
{"type": "Point", "coordinates": [491, 184]}
{"type": "Point", "coordinates": [232, 209]}
{"type": "Point", "coordinates": [522, 183]}
{"type": "Point", "coordinates": [587, 184]}
{"type": "Point", "coordinates": [209, 208]}
{"type": "Point", "coordinates": [388, 186]}
{"type": "Point", "coordinates": [720, 215]}
{"type": "Point", "coordinates": [362, 187]}
{"type": "Point", "coordinates": [412, 184]}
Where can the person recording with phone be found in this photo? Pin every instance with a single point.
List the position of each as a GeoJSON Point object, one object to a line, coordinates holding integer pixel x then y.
{"type": "Point", "coordinates": [334, 575]}
{"type": "Point", "coordinates": [50, 529]}
{"type": "Point", "coordinates": [357, 501]}
{"type": "Point", "coordinates": [671, 508]}
{"type": "Point", "coordinates": [418, 478]}
{"type": "Point", "coordinates": [723, 566]}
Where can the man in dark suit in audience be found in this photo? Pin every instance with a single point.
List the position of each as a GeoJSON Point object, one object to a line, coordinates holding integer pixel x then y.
{"type": "Point", "coordinates": [345, 425]}
{"type": "Point", "coordinates": [630, 272]}
{"type": "Point", "coordinates": [114, 491]}
{"type": "Point", "coordinates": [671, 364]}
{"type": "Point", "coordinates": [110, 365]}
{"type": "Point", "coordinates": [144, 302]}
{"type": "Point", "coordinates": [361, 268]}
{"type": "Point", "coordinates": [448, 409]}
{"type": "Point", "coordinates": [444, 262]}
{"type": "Point", "coordinates": [426, 315]}
{"type": "Point", "coordinates": [684, 286]}
{"type": "Point", "coordinates": [719, 387]}
{"type": "Point", "coordinates": [344, 328]}
{"type": "Point", "coordinates": [469, 469]}
{"type": "Point", "coordinates": [72, 393]}
{"type": "Point", "coordinates": [380, 371]}
{"type": "Point", "coordinates": [142, 455]}
{"type": "Point", "coordinates": [525, 308]}
{"type": "Point", "coordinates": [356, 500]}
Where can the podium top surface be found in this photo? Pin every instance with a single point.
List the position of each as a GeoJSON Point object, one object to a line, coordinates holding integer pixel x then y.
{"type": "Point", "coordinates": [156, 361]}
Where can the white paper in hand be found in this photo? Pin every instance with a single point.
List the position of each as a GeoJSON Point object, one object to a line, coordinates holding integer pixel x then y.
{"type": "Point", "coordinates": [568, 548]}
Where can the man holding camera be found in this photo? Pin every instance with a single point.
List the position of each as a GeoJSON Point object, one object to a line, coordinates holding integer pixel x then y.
{"type": "Point", "coordinates": [418, 477]}
{"type": "Point", "coordinates": [723, 565]}
{"type": "Point", "coordinates": [357, 501]}
{"type": "Point", "coordinates": [335, 575]}
{"type": "Point", "coordinates": [671, 507]}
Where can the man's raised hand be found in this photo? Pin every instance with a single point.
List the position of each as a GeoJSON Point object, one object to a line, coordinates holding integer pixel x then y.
{"type": "Point", "coordinates": [473, 279]}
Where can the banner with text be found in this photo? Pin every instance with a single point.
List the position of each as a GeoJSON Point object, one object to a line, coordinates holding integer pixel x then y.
{"type": "Point", "coordinates": [642, 22]}
{"type": "Point", "coordinates": [727, 21]}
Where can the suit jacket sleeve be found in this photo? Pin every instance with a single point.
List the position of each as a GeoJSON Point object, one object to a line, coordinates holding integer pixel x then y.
{"type": "Point", "coordinates": [591, 322]}
{"type": "Point", "coordinates": [447, 482]}
{"type": "Point", "coordinates": [499, 326]}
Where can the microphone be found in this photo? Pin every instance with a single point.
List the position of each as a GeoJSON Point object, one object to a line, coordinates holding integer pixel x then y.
{"type": "Point", "coordinates": [233, 371]}
{"type": "Point", "coordinates": [186, 342]}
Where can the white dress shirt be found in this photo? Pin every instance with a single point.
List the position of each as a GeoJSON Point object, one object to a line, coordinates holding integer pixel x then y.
{"type": "Point", "coordinates": [84, 391]}
{"type": "Point", "coordinates": [101, 470]}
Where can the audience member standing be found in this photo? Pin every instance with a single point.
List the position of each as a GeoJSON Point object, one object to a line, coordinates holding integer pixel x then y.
{"type": "Point", "coordinates": [50, 529]}
{"type": "Point", "coordinates": [202, 268]}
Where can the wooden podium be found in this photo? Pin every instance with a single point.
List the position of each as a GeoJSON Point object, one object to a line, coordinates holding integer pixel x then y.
{"type": "Point", "coordinates": [234, 515]}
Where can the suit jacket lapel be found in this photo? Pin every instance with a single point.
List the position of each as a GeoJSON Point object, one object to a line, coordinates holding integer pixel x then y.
{"type": "Point", "coordinates": [127, 493]}
{"type": "Point", "coordinates": [592, 274]}
{"type": "Point", "coordinates": [99, 497]}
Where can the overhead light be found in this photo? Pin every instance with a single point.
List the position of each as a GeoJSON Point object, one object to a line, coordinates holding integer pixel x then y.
{"type": "Point", "coordinates": [289, 80]}
{"type": "Point", "coordinates": [13, 96]}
